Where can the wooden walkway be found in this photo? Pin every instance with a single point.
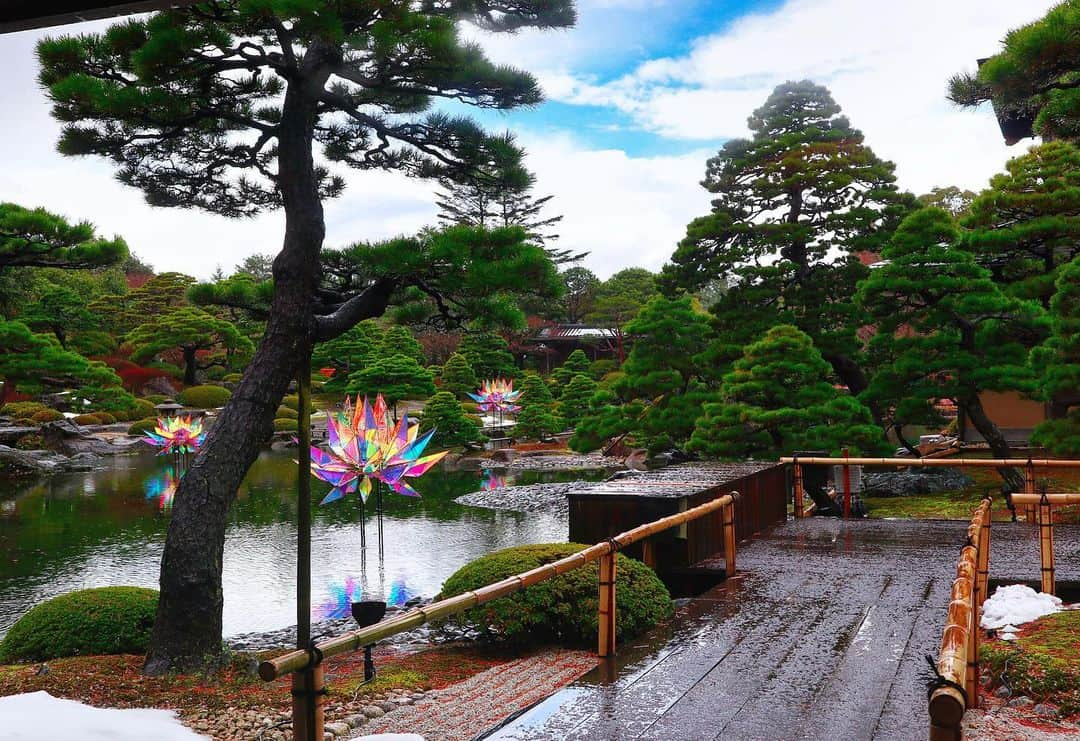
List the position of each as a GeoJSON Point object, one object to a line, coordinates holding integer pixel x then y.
{"type": "Point", "coordinates": [822, 637]}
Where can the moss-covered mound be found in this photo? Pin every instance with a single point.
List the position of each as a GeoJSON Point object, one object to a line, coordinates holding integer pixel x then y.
{"type": "Point", "coordinates": [107, 620]}
{"type": "Point", "coordinates": [562, 609]}
{"type": "Point", "coordinates": [1044, 663]}
{"type": "Point", "coordinates": [204, 397]}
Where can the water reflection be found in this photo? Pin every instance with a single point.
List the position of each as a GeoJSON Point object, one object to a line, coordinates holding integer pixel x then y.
{"type": "Point", "coordinates": [107, 527]}
{"type": "Point", "coordinates": [491, 479]}
{"type": "Point", "coordinates": [341, 598]}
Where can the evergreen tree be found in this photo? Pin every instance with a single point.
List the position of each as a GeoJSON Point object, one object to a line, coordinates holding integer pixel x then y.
{"type": "Point", "coordinates": [949, 331]}
{"type": "Point", "coordinates": [220, 106]}
{"type": "Point", "coordinates": [122, 312]}
{"type": "Point", "coordinates": [537, 421]}
{"type": "Point", "coordinates": [61, 311]}
{"type": "Point", "coordinates": [458, 377]}
{"type": "Point", "coordinates": [38, 238]}
{"type": "Point", "coordinates": [31, 362]}
{"type": "Point", "coordinates": [795, 204]}
{"type": "Point", "coordinates": [778, 398]}
{"type": "Point", "coordinates": [575, 363]}
{"type": "Point", "coordinates": [258, 267]}
{"type": "Point", "coordinates": [581, 284]}
{"type": "Point", "coordinates": [489, 355]}
{"type": "Point", "coordinates": [1033, 80]}
{"type": "Point", "coordinates": [396, 377]}
{"type": "Point", "coordinates": [1027, 224]}
{"type": "Point", "coordinates": [608, 417]}
{"type": "Point", "coordinates": [534, 390]}
{"type": "Point", "coordinates": [619, 299]}
{"type": "Point", "coordinates": [957, 202]}
{"type": "Point", "coordinates": [204, 340]}
{"type": "Point", "coordinates": [398, 340]}
{"type": "Point", "coordinates": [453, 426]}
{"type": "Point", "coordinates": [351, 351]}
{"type": "Point", "coordinates": [574, 402]}
{"type": "Point", "coordinates": [1057, 363]}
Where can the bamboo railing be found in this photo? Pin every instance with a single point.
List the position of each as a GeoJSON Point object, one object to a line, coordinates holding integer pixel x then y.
{"type": "Point", "coordinates": [304, 661]}
{"type": "Point", "coordinates": [958, 661]}
{"type": "Point", "coordinates": [1028, 464]}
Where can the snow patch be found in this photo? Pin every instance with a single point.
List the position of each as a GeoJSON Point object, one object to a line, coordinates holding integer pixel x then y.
{"type": "Point", "coordinates": [38, 716]}
{"type": "Point", "coordinates": [1014, 605]}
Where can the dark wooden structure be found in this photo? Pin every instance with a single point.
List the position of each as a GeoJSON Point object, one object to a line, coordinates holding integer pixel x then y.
{"type": "Point", "coordinates": [601, 510]}
{"type": "Point", "coordinates": [22, 15]}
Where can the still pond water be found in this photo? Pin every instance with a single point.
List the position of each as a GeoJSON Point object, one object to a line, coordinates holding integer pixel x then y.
{"type": "Point", "coordinates": [107, 527]}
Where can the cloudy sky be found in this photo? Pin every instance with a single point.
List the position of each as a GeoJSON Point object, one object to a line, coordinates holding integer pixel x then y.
{"type": "Point", "coordinates": [640, 93]}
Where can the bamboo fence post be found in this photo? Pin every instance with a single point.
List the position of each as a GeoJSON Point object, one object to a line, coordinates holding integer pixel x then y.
{"type": "Point", "coordinates": [648, 553]}
{"type": "Point", "coordinates": [798, 489]}
{"type": "Point", "coordinates": [729, 539]}
{"type": "Point", "coordinates": [1046, 545]}
{"type": "Point", "coordinates": [947, 703]}
{"type": "Point", "coordinates": [847, 485]}
{"type": "Point", "coordinates": [606, 614]}
{"type": "Point", "coordinates": [983, 583]}
{"type": "Point", "coordinates": [1029, 488]}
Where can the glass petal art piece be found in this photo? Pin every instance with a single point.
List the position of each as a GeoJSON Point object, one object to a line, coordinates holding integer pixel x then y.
{"type": "Point", "coordinates": [178, 434]}
{"type": "Point", "coordinates": [366, 447]}
{"type": "Point", "coordinates": [497, 395]}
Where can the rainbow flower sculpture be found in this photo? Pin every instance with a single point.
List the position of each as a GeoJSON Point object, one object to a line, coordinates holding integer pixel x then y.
{"type": "Point", "coordinates": [365, 447]}
{"type": "Point", "coordinates": [497, 395]}
{"type": "Point", "coordinates": [177, 435]}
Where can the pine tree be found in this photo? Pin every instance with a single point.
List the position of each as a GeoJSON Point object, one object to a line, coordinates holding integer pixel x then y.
{"type": "Point", "coordinates": [1057, 363]}
{"type": "Point", "coordinates": [581, 284]}
{"type": "Point", "coordinates": [1033, 80]}
{"type": "Point", "coordinates": [489, 355]}
{"type": "Point", "coordinates": [777, 399]}
{"type": "Point", "coordinates": [59, 310]}
{"type": "Point", "coordinates": [38, 238]}
{"type": "Point", "coordinates": [619, 299]}
{"type": "Point", "coordinates": [31, 362]}
{"type": "Point", "coordinates": [1027, 224]}
{"type": "Point", "coordinates": [396, 377]}
{"type": "Point", "coordinates": [458, 377]}
{"type": "Point", "coordinates": [398, 340]}
{"type": "Point", "coordinates": [204, 340]}
{"type": "Point", "coordinates": [537, 418]}
{"type": "Point", "coordinates": [357, 348]}
{"type": "Point", "coordinates": [534, 390]}
{"type": "Point", "coordinates": [575, 363]}
{"type": "Point", "coordinates": [795, 204]}
{"type": "Point", "coordinates": [574, 402]}
{"type": "Point", "coordinates": [948, 330]}
{"type": "Point", "coordinates": [453, 426]}
{"type": "Point", "coordinates": [220, 106]}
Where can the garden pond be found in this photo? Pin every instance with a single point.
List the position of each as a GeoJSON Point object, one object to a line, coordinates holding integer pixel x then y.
{"type": "Point", "coordinates": [107, 527]}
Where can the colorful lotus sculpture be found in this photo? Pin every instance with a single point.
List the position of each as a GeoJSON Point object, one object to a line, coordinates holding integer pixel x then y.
{"type": "Point", "coordinates": [178, 435]}
{"type": "Point", "coordinates": [497, 396]}
{"type": "Point", "coordinates": [365, 448]}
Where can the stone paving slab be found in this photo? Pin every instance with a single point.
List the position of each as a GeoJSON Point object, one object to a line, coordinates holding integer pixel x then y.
{"type": "Point", "coordinates": [821, 636]}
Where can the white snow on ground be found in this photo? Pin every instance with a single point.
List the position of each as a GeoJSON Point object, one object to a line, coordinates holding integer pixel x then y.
{"type": "Point", "coordinates": [38, 716]}
{"type": "Point", "coordinates": [1014, 605]}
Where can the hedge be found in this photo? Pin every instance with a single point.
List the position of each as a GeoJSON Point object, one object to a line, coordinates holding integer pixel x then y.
{"type": "Point", "coordinates": [204, 397]}
{"type": "Point", "coordinates": [22, 409]}
{"type": "Point", "coordinates": [46, 415]}
{"type": "Point", "coordinates": [561, 609]}
{"type": "Point", "coordinates": [285, 425]}
{"type": "Point", "coordinates": [90, 622]}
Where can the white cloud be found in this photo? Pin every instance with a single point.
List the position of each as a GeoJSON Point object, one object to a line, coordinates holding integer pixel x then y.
{"type": "Point", "coordinates": [886, 63]}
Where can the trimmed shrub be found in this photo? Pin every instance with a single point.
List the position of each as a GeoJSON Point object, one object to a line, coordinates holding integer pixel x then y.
{"type": "Point", "coordinates": [292, 401]}
{"type": "Point", "coordinates": [107, 418]}
{"type": "Point", "coordinates": [87, 419]}
{"type": "Point", "coordinates": [562, 609]}
{"type": "Point", "coordinates": [90, 622]}
{"type": "Point", "coordinates": [22, 409]}
{"type": "Point", "coordinates": [286, 413]}
{"type": "Point", "coordinates": [46, 415]}
{"type": "Point", "coordinates": [155, 398]}
{"type": "Point", "coordinates": [143, 408]}
{"type": "Point", "coordinates": [232, 377]}
{"type": "Point", "coordinates": [600, 368]}
{"type": "Point", "coordinates": [286, 425]}
{"type": "Point", "coordinates": [143, 425]}
{"type": "Point", "coordinates": [204, 397]}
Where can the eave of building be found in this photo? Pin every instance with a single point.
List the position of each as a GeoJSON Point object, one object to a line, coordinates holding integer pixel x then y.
{"type": "Point", "coordinates": [24, 15]}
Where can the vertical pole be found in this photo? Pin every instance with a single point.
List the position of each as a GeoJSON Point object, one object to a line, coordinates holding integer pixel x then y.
{"type": "Point", "coordinates": [606, 613]}
{"type": "Point", "coordinates": [728, 511]}
{"type": "Point", "coordinates": [1046, 544]}
{"type": "Point", "coordinates": [648, 553]}
{"type": "Point", "coordinates": [307, 684]}
{"type": "Point", "coordinates": [1029, 488]}
{"type": "Point", "coordinates": [983, 563]}
{"type": "Point", "coordinates": [798, 487]}
{"type": "Point", "coordinates": [847, 485]}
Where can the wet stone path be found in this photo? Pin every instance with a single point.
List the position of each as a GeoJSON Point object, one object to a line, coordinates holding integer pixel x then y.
{"type": "Point", "coordinates": [821, 636]}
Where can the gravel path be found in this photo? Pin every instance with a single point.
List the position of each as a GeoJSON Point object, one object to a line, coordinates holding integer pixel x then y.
{"type": "Point", "coordinates": [464, 710]}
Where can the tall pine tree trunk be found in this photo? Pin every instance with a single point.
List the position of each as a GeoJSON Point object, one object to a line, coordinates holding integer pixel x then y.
{"type": "Point", "coordinates": [190, 366]}
{"type": "Point", "coordinates": [187, 631]}
{"type": "Point", "coordinates": [972, 407]}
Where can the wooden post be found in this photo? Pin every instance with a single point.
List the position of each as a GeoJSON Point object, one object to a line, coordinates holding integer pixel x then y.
{"type": "Point", "coordinates": [307, 704]}
{"type": "Point", "coordinates": [729, 539]}
{"type": "Point", "coordinates": [1029, 488]}
{"type": "Point", "coordinates": [798, 489]}
{"type": "Point", "coordinates": [648, 553]}
{"type": "Point", "coordinates": [606, 614]}
{"type": "Point", "coordinates": [1046, 545]}
{"type": "Point", "coordinates": [983, 565]}
{"type": "Point", "coordinates": [847, 485]}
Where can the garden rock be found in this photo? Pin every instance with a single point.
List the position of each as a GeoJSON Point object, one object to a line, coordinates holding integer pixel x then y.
{"type": "Point", "coordinates": [11, 435]}
{"type": "Point", "coordinates": [64, 436]}
{"type": "Point", "coordinates": [14, 462]}
{"type": "Point", "coordinates": [912, 482]}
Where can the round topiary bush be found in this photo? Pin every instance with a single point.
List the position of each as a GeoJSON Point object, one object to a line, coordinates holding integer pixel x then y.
{"type": "Point", "coordinates": [155, 398]}
{"type": "Point", "coordinates": [22, 409]}
{"type": "Point", "coordinates": [143, 425]}
{"type": "Point", "coordinates": [107, 418]}
{"type": "Point", "coordinates": [46, 415]}
{"type": "Point", "coordinates": [204, 397]}
{"type": "Point", "coordinates": [285, 425]}
{"type": "Point", "coordinates": [562, 609]}
{"type": "Point", "coordinates": [292, 401]}
{"type": "Point", "coordinates": [286, 413]}
{"type": "Point", "coordinates": [143, 408]}
{"type": "Point", "coordinates": [90, 622]}
{"type": "Point", "coordinates": [87, 419]}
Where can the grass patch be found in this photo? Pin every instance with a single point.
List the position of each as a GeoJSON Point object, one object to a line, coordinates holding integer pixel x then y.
{"type": "Point", "coordinates": [1044, 663]}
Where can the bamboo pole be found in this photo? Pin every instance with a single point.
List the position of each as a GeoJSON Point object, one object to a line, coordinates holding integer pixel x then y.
{"type": "Point", "coordinates": [297, 660]}
{"type": "Point", "coordinates": [729, 539]}
{"type": "Point", "coordinates": [952, 462]}
{"type": "Point", "coordinates": [798, 490]}
{"type": "Point", "coordinates": [983, 579]}
{"type": "Point", "coordinates": [1061, 499]}
{"type": "Point", "coordinates": [1046, 545]}
{"type": "Point", "coordinates": [847, 484]}
{"type": "Point", "coordinates": [606, 609]}
{"type": "Point", "coordinates": [1029, 488]}
{"type": "Point", "coordinates": [648, 554]}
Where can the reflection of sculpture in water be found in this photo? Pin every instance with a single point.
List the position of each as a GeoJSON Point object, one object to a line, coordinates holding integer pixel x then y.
{"type": "Point", "coordinates": [162, 487]}
{"type": "Point", "coordinates": [341, 598]}
{"type": "Point", "coordinates": [399, 593]}
{"type": "Point", "coordinates": [489, 480]}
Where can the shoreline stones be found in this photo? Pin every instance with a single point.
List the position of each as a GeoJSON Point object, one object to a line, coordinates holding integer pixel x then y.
{"type": "Point", "coordinates": [15, 462]}
{"type": "Point", "coordinates": [530, 498]}
{"type": "Point", "coordinates": [911, 482]}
